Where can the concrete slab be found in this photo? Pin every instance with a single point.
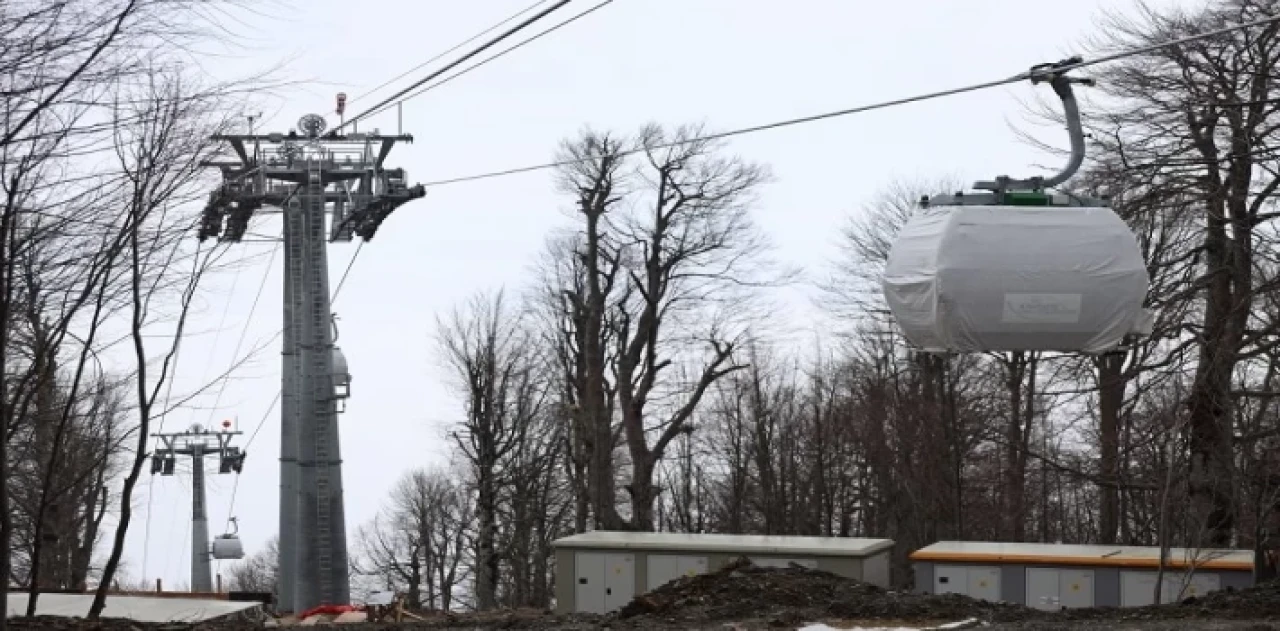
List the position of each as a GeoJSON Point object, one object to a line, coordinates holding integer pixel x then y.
{"type": "Point", "coordinates": [137, 608]}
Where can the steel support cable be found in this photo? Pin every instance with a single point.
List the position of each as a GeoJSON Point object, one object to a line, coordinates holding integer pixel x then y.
{"type": "Point", "coordinates": [468, 69]}
{"type": "Point", "coordinates": [1055, 69]}
{"type": "Point", "coordinates": [442, 54]}
{"type": "Point", "coordinates": [457, 62]}
{"type": "Point", "coordinates": [343, 280]}
{"type": "Point", "coordinates": [222, 322]}
{"type": "Point", "coordinates": [151, 482]}
{"type": "Point", "coordinates": [244, 332]}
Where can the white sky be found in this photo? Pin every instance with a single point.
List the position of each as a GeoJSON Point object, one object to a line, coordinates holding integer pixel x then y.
{"type": "Point", "coordinates": [730, 63]}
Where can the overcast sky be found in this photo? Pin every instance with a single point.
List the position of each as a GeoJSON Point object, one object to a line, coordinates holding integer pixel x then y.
{"type": "Point", "coordinates": [728, 63]}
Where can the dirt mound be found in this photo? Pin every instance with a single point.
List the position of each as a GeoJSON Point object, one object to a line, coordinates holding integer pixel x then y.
{"type": "Point", "coordinates": [1261, 602]}
{"type": "Point", "coordinates": [785, 596]}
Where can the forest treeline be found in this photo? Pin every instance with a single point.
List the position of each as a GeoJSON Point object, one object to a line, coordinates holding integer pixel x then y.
{"type": "Point", "coordinates": [642, 380]}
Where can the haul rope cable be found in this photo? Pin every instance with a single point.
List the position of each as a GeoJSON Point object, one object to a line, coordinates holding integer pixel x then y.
{"type": "Point", "coordinates": [244, 332]}
{"type": "Point", "coordinates": [508, 33]}
{"type": "Point", "coordinates": [1056, 69]}
{"type": "Point", "coordinates": [495, 56]}
{"type": "Point", "coordinates": [446, 52]}
{"type": "Point", "coordinates": [173, 377]}
{"type": "Point", "coordinates": [342, 281]}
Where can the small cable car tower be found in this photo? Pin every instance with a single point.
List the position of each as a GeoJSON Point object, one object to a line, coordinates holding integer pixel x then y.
{"type": "Point", "coordinates": [310, 176]}
{"type": "Point", "coordinates": [199, 443]}
{"type": "Point", "coordinates": [1015, 267]}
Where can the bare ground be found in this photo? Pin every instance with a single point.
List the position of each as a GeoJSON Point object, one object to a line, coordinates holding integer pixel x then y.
{"type": "Point", "coordinates": [743, 596]}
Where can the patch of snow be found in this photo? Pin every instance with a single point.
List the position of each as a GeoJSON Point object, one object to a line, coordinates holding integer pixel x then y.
{"type": "Point", "coordinates": [963, 624]}
{"type": "Point", "coordinates": [823, 627]}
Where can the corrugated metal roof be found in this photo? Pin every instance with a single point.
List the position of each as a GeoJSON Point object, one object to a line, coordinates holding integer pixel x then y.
{"type": "Point", "coordinates": [745, 544]}
{"type": "Point", "coordinates": [136, 608]}
{"type": "Point", "coordinates": [1077, 554]}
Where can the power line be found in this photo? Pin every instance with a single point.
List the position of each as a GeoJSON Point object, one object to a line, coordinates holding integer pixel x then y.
{"type": "Point", "coordinates": [342, 281]}
{"type": "Point", "coordinates": [1036, 72]}
{"type": "Point", "coordinates": [226, 309]}
{"type": "Point", "coordinates": [173, 377]}
{"type": "Point", "coordinates": [496, 56]}
{"type": "Point", "coordinates": [455, 63]}
{"type": "Point", "coordinates": [244, 332]}
{"type": "Point", "coordinates": [442, 54]}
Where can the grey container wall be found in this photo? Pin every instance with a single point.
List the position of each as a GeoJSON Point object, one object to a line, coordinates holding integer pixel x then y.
{"type": "Point", "coordinates": [601, 571]}
{"type": "Point", "coordinates": [1106, 582]}
{"type": "Point", "coordinates": [1048, 576]}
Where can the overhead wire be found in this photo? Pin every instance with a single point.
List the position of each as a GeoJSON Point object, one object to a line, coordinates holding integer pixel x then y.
{"type": "Point", "coordinates": [226, 309]}
{"type": "Point", "coordinates": [244, 331]}
{"type": "Point", "coordinates": [343, 280]}
{"type": "Point", "coordinates": [455, 63]}
{"type": "Point", "coordinates": [173, 377]}
{"type": "Point", "coordinates": [373, 111]}
{"type": "Point", "coordinates": [468, 69]}
{"type": "Point", "coordinates": [440, 55]}
{"type": "Point", "coordinates": [928, 96]}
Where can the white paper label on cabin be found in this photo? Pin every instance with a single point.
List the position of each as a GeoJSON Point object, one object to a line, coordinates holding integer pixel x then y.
{"type": "Point", "coordinates": [1041, 308]}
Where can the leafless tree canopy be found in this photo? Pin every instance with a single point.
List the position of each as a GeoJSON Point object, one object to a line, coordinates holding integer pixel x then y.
{"type": "Point", "coordinates": [663, 406]}
{"type": "Point", "coordinates": [636, 384]}
{"type": "Point", "coordinates": [105, 123]}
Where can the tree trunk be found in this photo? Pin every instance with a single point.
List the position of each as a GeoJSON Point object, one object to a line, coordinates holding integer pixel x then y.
{"type": "Point", "coordinates": [643, 493]}
{"type": "Point", "coordinates": [1111, 388]}
{"type": "Point", "coordinates": [414, 594]}
{"type": "Point", "coordinates": [7, 230]}
{"type": "Point", "coordinates": [1211, 473]}
{"type": "Point", "coordinates": [1020, 368]}
{"type": "Point", "coordinates": [486, 544]}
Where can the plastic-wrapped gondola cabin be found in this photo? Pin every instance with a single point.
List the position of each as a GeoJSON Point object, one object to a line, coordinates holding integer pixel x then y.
{"type": "Point", "coordinates": [600, 571]}
{"type": "Point", "coordinates": [1056, 576]}
{"type": "Point", "coordinates": [1018, 268]}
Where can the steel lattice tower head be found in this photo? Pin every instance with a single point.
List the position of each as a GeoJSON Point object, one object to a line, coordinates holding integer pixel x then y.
{"type": "Point", "coordinates": [329, 187]}
{"type": "Point", "coordinates": [199, 443]}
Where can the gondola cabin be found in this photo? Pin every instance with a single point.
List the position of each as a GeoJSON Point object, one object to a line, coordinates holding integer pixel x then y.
{"type": "Point", "coordinates": [964, 278]}
{"type": "Point", "coordinates": [1015, 267]}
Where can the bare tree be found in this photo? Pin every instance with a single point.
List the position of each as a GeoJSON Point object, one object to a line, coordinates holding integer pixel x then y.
{"type": "Point", "coordinates": [61, 66]}
{"type": "Point", "coordinates": [593, 176]}
{"type": "Point", "coordinates": [496, 370]}
{"type": "Point", "coordinates": [1198, 120]}
{"type": "Point", "coordinates": [160, 155]}
{"type": "Point", "coordinates": [258, 572]}
{"type": "Point", "coordinates": [659, 273]}
{"type": "Point", "coordinates": [418, 543]}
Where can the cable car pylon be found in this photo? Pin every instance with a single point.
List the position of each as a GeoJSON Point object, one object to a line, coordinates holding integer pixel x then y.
{"type": "Point", "coordinates": [329, 187]}
{"type": "Point", "coordinates": [1017, 267]}
{"type": "Point", "coordinates": [199, 443]}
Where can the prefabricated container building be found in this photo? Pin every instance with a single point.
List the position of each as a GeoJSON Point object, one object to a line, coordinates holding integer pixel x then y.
{"type": "Point", "coordinates": [600, 571]}
{"type": "Point", "coordinates": [1056, 576]}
